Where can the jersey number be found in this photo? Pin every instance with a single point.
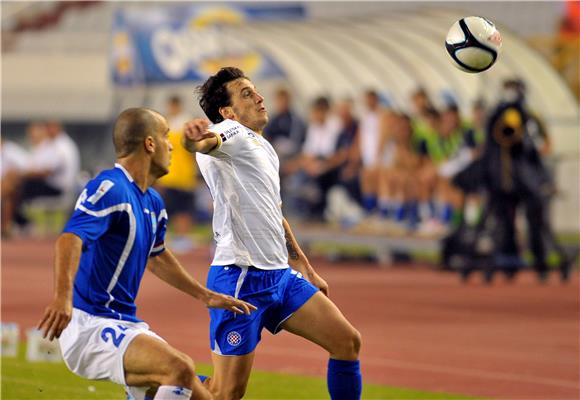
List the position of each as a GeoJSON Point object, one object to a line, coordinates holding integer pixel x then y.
{"type": "Point", "coordinates": [115, 336]}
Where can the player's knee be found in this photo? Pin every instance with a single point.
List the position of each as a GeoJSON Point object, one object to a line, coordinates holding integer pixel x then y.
{"type": "Point", "coordinates": [233, 391]}
{"type": "Point", "coordinates": [355, 342]}
{"type": "Point", "coordinates": [181, 371]}
{"type": "Point", "coordinates": [348, 345]}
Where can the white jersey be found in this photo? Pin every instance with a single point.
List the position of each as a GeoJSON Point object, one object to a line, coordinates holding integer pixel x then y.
{"type": "Point", "coordinates": [242, 173]}
{"type": "Point", "coordinates": [369, 129]}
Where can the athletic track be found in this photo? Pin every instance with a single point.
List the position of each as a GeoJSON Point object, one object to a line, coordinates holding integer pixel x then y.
{"type": "Point", "coordinates": [421, 328]}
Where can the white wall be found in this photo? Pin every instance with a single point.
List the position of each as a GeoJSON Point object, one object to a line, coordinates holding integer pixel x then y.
{"type": "Point", "coordinates": [70, 87]}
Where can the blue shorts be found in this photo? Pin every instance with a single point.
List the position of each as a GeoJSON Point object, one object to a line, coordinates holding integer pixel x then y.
{"type": "Point", "coordinates": [277, 294]}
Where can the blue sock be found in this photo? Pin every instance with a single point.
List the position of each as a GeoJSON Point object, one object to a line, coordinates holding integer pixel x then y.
{"type": "Point", "coordinates": [413, 214]}
{"type": "Point", "coordinates": [400, 209]}
{"type": "Point", "coordinates": [447, 213]}
{"type": "Point", "coordinates": [344, 380]}
{"type": "Point", "coordinates": [369, 203]}
{"type": "Point", "coordinates": [202, 378]}
{"type": "Point", "coordinates": [385, 209]}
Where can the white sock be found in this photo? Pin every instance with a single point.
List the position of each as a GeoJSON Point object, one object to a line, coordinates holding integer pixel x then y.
{"type": "Point", "coordinates": [172, 393]}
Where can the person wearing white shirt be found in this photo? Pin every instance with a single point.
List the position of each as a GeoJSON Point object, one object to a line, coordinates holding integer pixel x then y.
{"type": "Point", "coordinates": [13, 160]}
{"type": "Point", "coordinates": [52, 168]}
{"type": "Point", "coordinates": [257, 257]}
{"type": "Point", "coordinates": [311, 179]}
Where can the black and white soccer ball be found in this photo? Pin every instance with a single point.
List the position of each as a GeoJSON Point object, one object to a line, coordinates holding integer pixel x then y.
{"type": "Point", "coordinates": [473, 44]}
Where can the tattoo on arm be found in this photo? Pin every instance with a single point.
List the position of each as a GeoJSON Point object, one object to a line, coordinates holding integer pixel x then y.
{"type": "Point", "coordinates": [292, 252]}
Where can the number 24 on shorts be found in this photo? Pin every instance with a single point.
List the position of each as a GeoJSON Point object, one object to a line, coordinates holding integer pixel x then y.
{"type": "Point", "coordinates": [115, 336]}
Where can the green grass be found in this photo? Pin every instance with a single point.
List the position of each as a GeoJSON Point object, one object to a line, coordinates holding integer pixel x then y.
{"type": "Point", "coordinates": [22, 380]}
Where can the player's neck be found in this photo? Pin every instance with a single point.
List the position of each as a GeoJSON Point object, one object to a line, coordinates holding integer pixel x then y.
{"type": "Point", "coordinates": [141, 176]}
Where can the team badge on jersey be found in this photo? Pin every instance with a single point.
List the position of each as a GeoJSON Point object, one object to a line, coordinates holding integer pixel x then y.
{"type": "Point", "coordinates": [234, 338]}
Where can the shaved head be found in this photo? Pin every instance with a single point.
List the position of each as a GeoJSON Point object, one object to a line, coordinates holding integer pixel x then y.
{"type": "Point", "coordinates": [132, 127]}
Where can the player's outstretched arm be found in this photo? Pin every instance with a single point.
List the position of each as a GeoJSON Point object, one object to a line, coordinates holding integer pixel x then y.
{"type": "Point", "coordinates": [59, 312]}
{"type": "Point", "coordinates": [196, 137]}
{"type": "Point", "coordinates": [167, 268]}
{"type": "Point", "coordinates": [297, 260]}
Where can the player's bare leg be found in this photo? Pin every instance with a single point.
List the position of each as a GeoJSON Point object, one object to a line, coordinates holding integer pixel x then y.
{"type": "Point", "coordinates": [231, 375]}
{"type": "Point", "coordinates": [321, 322]}
{"type": "Point", "coordinates": [151, 362]}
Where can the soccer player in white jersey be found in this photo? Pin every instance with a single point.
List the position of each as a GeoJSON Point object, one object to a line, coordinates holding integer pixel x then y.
{"type": "Point", "coordinates": [257, 258]}
{"type": "Point", "coordinates": [116, 231]}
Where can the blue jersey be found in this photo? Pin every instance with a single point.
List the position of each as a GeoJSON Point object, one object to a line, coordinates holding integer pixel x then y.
{"type": "Point", "coordinates": [121, 227]}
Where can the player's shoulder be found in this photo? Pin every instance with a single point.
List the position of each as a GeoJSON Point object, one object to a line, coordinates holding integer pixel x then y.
{"type": "Point", "coordinates": [227, 128]}
{"type": "Point", "coordinates": [108, 184]}
{"type": "Point", "coordinates": [155, 195]}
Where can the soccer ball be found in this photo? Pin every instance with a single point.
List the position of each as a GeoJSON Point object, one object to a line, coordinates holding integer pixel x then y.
{"type": "Point", "coordinates": [473, 44]}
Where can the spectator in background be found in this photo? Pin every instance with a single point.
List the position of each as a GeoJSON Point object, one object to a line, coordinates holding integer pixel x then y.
{"type": "Point", "coordinates": [178, 186]}
{"type": "Point", "coordinates": [286, 130]}
{"type": "Point", "coordinates": [67, 170]}
{"type": "Point", "coordinates": [399, 177]}
{"type": "Point", "coordinates": [368, 143]}
{"type": "Point", "coordinates": [425, 137]}
{"type": "Point", "coordinates": [311, 181]}
{"type": "Point", "coordinates": [52, 171]}
{"type": "Point", "coordinates": [346, 148]}
{"type": "Point", "coordinates": [478, 121]}
{"type": "Point", "coordinates": [343, 196]}
{"type": "Point", "coordinates": [458, 148]}
{"type": "Point", "coordinates": [422, 112]}
{"type": "Point", "coordinates": [13, 160]}
{"type": "Point", "coordinates": [176, 115]}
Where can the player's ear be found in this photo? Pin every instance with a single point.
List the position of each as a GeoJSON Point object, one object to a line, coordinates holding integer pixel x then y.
{"type": "Point", "coordinates": [227, 112]}
{"type": "Point", "coordinates": [149, 144]}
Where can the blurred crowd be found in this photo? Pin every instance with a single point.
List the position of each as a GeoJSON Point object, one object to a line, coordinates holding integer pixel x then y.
{"type": "Point", "coordinates": [367, 163]}
{"type": "Point", "coordinates": [359, 162]}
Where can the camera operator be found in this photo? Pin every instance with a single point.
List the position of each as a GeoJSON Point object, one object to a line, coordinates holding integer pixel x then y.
{"type": "Point", "coordinates": [515, 174]}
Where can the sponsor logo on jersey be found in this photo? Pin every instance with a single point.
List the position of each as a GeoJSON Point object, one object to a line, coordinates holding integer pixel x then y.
{"type": "Point", "coordinates": [229, 133]}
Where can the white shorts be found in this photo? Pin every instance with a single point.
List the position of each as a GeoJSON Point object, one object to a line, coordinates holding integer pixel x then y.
{"type": "Point", "coordinates": [93, 347]}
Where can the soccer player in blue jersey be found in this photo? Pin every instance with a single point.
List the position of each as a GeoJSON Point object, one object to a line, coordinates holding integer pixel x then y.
{"type": "Point", "coordinates": [257, 258]}
{"type": "Point", "coordinates": [116, 231]}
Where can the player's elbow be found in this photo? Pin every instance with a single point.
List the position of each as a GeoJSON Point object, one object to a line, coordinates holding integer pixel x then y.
{"type": "Point", "coordinates": [68, 241]}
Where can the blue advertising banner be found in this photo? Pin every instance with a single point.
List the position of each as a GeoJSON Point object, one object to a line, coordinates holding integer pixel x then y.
{"type": "Point", "coordinates": [190, 42]}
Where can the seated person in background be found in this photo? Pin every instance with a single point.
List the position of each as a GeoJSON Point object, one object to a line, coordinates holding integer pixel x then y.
{"type": "Point", "coordinates": [344, 197]}
{"type": "Point", "coordinates": [286, 130]}
{"type": "Point", "coordinates": [450, 152]}
{"type": "Point", "coordinates": [345, 148]}
{"type": "Point", "coordinates": [425, 140]}
{"type": "Point", "coordinates": [13, 160]}
{"type": "Point", "coordinates": [399, 179]}
{"type": "Point", "coordinates": [53, 168]}
{"type": "Point", "coordinates": [310, 181]}
{"type": "Point", "coordinates": [368, 142]}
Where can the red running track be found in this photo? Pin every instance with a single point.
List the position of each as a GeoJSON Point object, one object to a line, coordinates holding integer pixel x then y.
{"type": "Point", "coordinates": [421, 328]}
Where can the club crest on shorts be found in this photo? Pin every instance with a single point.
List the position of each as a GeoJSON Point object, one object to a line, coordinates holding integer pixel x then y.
{"type": "Point", "coordinates": [234, 338]}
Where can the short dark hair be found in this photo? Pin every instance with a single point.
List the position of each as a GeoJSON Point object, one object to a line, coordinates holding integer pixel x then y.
{"type": "Point", "coordinates": [372, 93]}
{"type": "Point", "coordinates": [321, 103]}
{"type": "Point", "coordinates": [214, 95]}
{"type": "Point", "coordinates": [174, 100]}
{"type": "Point", "coordinates": [132, 126]}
